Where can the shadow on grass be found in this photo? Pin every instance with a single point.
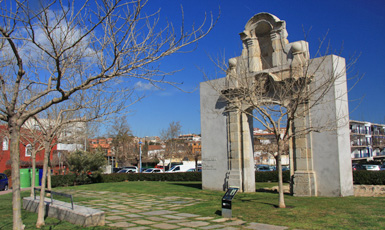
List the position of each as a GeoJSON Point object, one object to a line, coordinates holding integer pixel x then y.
{"type": "Point", "coordinates": [267, 190]}
{"type": "Point", "coordinates": [6, 226]}
{"type": "Point", "coordinates": [196, 186]}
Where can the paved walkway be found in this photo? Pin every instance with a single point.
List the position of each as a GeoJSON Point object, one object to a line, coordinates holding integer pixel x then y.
{"type": "Point", "coordinates": [143, 211]}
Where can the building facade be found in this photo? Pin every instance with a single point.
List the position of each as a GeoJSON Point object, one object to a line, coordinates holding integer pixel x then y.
{"type": "Point", "coordinates": [367, 141]}
{"type": "Point", "coordinates": [25, 148]}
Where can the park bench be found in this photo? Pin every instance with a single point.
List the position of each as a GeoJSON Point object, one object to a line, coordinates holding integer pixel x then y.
{"type": "Point", "coordinates": [76, 214]}
{"type": "Point", "coordinates": [55, 193]}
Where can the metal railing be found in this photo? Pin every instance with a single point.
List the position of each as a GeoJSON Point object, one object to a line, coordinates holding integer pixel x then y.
{"type": "Point", "coordinates": [56, 193]}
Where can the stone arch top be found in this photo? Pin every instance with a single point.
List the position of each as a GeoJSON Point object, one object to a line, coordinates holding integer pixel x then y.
{"type": "Point", "coordinates": [265, 44]}
{"type": "Point", "coordinates": [263, 24]}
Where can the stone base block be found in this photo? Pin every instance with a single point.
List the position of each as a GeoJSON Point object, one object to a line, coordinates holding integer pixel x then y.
{"type": "Point", "coordinates": [80, 215]}
{"type": "Point", "coordinates": [304, 183]}
{"type": "Point", "coordinates": [235, 179]}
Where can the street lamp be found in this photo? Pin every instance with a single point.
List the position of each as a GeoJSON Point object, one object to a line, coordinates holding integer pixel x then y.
{"type": "Point", "coordinates": [140, 156]}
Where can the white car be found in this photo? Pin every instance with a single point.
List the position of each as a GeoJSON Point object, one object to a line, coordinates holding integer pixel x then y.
{"type": "Point", "coordinates": [153, 170]}
{"type": "Point", "coordinates": [371, 167]}
{"type": "Point", "coordinates": [129, 169]}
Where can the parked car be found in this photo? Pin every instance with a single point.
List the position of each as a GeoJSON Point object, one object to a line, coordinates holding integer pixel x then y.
{"type": "Point", "coordinates": [285, 168]}
{"type": "Point", "coordinates": [179, 168]}
{"type": "Point", "coordinates": [127, 170]}
{"type": "Point", "coordinates": [191, 170]}
{"type": "Point", "coordinates": [371, 167]}
{"type": "Point", "coordinates": [153, 170]}
{"type": "Point", "coordinates": [115, 170]}
{"type": "Point", "coordinates": [264, 168]}
{"type": "Point", "coordinates": [382, 168]}
{"type": "Point", "coordinates": [357, 167]}
{"type": "Point", "coordinates": [3, 182]}
{"type": "Point", "coordinates": [132, 168]}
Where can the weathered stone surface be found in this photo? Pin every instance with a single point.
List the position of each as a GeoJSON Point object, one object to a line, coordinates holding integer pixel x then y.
{"type": "Point", "coordinates": [369, 190]}
{"type": "Point", "coordinates": [80, 215]}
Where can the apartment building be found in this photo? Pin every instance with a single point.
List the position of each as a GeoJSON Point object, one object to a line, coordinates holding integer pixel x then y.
{"type": "Point", "coordinates": [367, 141]}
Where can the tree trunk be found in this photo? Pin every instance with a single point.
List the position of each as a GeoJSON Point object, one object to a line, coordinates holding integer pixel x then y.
{"type": "Point", "coordinates": [281, 200]}
{"type": "Point", "coordinates": [49, 184]}
{"type": "Point", "coordinates": [196, 164]}
{"type": "Point", "coordinates": [33, 172]}
{"type": "Point", "coordinates": [41, 210]}
{"type": "Point", "coordinates": [14, 132]}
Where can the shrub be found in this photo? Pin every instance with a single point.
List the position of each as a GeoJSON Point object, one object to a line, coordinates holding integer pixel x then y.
{"type": "Point", "coordinates": [68, 180]}
{"type": "Point", "coordinates": [369, 177]}
{"type": "Point", "coordinates": [8, 172]}
{"type": "Point", "coordinates": [62, 180]}
{"type": "Point", "coordinates": [271, 176]}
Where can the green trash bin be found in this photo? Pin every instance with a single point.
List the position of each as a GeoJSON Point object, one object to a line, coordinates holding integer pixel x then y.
{"type": "Point", "coordinates": [25, 178]}
{"type": "Point", "coordinates": [36, 177]}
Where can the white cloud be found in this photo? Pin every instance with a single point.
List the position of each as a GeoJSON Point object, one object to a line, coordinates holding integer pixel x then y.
{"type": "Point", "coordinates": [145, 86]}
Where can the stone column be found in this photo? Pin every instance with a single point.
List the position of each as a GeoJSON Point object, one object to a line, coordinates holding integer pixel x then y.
{"type": "Point", "coordinates": [254, 54]}
{"type": "Point", "coordinates": [248, 154]}
{"type": "Point", "coordinates": [304, 175]}
{"type": "Point", "coordinates": [277, 48]}
{"type": "Point", "coordinates": [278, 42]}
{"type": "Point", "coordinates": [235, 149]}
{"type": "Point", "coordinates": [241, 161]}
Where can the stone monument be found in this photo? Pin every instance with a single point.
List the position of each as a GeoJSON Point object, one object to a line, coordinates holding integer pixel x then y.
{"type": "Point", "coordinates": [322, 164]}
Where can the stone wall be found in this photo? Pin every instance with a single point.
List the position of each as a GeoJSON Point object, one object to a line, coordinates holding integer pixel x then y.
{"type": "Point", "coordinates": [369, 190]}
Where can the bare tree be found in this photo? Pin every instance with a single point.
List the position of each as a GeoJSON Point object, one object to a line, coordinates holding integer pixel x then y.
{"type": "Point", "coordinates": [169, 137]}
{"type": "Point", "coordinates": [271, 148]}
{"type": "Point", "coordinates": [191, 152]}
{"type": "Point", "coordinates": [122, 140]}
{"type": "Point", "coordinates": [63, 121]}
{"type": "Point", "coordinates": [32, 136]}
{"type": "Point", "coordinates": [55, 50]}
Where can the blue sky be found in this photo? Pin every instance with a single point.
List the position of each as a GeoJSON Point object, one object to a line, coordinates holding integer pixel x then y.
{"type": "Point", "coordinates": [355, 26]}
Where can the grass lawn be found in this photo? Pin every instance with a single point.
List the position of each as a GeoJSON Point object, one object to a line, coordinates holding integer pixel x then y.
{"type": "Point", "coordinates": [302, 212]}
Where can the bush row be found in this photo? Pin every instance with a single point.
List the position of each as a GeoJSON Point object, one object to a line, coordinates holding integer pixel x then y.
{"type": "Point", "coordinates": [70, 179]}
{"type": "Point", "coordinates": [359, 177]}
{"type": "Point", "coordinates": [369, 177]}
{"type": "Point", "coordinates": [271, 176]}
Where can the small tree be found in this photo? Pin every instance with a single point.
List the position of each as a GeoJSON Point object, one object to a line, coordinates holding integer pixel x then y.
{"type": "Point", "coordinates": [122, 140]}
{"type": "Point", "coordinates": [192, 153]}
{"type": "Point", "coordinates": [85, 164]}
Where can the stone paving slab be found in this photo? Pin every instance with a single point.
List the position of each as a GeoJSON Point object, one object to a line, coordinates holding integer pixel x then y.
{"type": "Point", "coordinates": [265, 226]}
{"type": "Point", "coordinates": [165, 226]}
{"type": "Point", "coordinates": [174, 217]}
{"type": "Point", "coordinates": [217, 226]}
{"type": "Point", "coordinates": [195, 224]}
{"type": "Point", "coordinates": [138, 211]}
{"type": "Point", "coordinates": [143, 222]}
{"type": "Point", "coordinates": [122, 224]}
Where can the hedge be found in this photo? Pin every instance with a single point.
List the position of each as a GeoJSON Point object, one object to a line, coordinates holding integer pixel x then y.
{"type": "Point", "coordinates": [369, 177]}
{"type": "Point", "coordinates": [359, 177]}
{"type": "Point", "coordinates": [271, 176]}
{"type": "Point", "coordinates": [69, 180]}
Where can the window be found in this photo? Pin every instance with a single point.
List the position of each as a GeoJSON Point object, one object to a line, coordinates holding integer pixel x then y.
{"type": "Point", "coordinates": [28, 150]}
{"type": "Point", "coordinates": [5, 143]}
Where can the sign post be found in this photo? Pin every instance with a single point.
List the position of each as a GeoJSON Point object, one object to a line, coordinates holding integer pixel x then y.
{"type": "Point", "coordinates": [226, 201]}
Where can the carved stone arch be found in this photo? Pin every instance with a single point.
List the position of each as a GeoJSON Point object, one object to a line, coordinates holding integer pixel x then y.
{"type": "Point", "coordinates": [321, 161]}
{"type": "Point", "coordinates": [264, 38]}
